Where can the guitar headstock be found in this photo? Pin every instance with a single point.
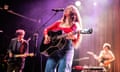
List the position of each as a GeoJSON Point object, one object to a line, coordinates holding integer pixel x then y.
{"type": "Point", "coordinates": [86, 31]}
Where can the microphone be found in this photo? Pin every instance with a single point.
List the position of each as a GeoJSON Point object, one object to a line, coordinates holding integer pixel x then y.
{"type": "Point", "coordinates": [58, 9]}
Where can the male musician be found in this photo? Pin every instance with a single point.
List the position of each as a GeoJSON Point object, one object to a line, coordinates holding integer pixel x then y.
{"type": "Point", "coordinates": [17, 51]}
{"type": "Point", "coordinates": [106, 56]}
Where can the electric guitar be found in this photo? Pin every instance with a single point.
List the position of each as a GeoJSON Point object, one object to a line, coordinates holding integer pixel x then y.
{"type": "Point", "coordinates": [13, 58]}
{"type": "Point", "coordinates": [104, 63]}
{"type": "Point", "coordinates": [24, 55]}
{"type": "Point", "coordinates": [57, 41]}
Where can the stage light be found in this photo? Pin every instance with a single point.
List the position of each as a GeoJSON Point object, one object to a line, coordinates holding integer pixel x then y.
{"type": "Point", "coordinates": [77, 3]}
{"type": "Point", "coordinates": [95, 3]}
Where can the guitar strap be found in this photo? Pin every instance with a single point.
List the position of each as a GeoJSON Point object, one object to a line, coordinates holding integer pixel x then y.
{"type": "Point", "coordinates": [19, 47]}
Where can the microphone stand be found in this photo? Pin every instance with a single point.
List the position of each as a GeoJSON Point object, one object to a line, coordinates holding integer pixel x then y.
{"type": "Point", "coordinates": [35, 41]}
{"type": "Point", "coordinates": [43, 25]}
{"type": "Point", "coordinates": [37, 31]}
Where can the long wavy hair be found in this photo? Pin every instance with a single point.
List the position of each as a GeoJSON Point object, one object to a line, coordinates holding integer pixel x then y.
{"type": "Point", "coordinates": [74, 15]}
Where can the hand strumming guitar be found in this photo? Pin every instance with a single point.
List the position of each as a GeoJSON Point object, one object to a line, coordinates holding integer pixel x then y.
{"type": "Point", "coordinates": [47, 39]}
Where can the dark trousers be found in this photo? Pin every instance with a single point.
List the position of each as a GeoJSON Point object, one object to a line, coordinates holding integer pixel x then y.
{"type": "Point", "coordinates": [16, 67]}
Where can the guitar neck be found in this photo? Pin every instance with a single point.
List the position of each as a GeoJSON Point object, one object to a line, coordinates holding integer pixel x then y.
{"type": "Point", "coordinates": [20, 55]}
{"type": "Point", "coordinates": [86, 31]}
{"type": "Point", "coordinates": [23, 55]}
{"type": "Point", "coordinates": [83, 31]}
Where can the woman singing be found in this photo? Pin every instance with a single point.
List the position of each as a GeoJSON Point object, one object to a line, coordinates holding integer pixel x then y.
{"type": "Point", "coordinates": [61, 60]}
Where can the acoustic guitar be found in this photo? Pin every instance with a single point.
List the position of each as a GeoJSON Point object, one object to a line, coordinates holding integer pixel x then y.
{"type": "Point", "coordinates": [58, 41]}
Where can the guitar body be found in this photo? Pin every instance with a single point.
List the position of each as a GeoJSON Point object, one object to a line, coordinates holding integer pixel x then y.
{"type": "Point", "coordinates": [54, 45]}
{"type": "Point", "coordinates": [105, 63]}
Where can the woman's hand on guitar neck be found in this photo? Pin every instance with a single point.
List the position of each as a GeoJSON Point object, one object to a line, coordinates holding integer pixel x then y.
{"type": "Point", "coordinates": [46, 39]}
